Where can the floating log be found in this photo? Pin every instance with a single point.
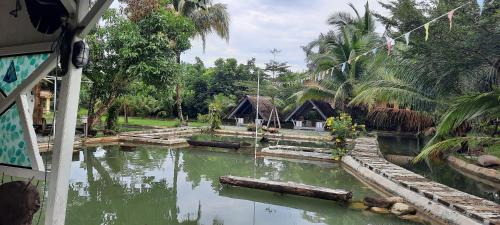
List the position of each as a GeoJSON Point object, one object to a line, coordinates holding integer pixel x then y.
{"type": "Point", "coordinates": [218, 144]}
{"type": "Point", "coordinates": [289, 188]}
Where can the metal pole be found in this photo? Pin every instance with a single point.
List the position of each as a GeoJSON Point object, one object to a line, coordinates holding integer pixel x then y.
{"type": "Point", "coordinates": [257, 113]}
{"type": "Point", "coordinates": [55, 107]}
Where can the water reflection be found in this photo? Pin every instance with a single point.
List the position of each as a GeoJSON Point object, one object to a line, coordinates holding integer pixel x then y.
{"type": "Point", "coordinates": [161, 186]}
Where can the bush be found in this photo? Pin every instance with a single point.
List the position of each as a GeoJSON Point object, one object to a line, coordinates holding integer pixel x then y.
{"type": "Point", "coordinates": [214, 117]}
{"type": "Point", "coordinates": [204, 118]}
{"type": "Point", "coordinates": [342, 128]}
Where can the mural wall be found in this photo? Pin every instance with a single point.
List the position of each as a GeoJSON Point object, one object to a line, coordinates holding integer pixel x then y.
{"type": "Point", "coordinates": [13, 70]}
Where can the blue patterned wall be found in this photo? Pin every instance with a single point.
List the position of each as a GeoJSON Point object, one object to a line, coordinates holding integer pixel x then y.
{"type": "Point", "coordinates": [13, 71]}
{"type": "Point", "coordinates": [13, 149]}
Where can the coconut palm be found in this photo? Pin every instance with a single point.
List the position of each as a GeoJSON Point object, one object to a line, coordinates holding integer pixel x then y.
{"type": "Point", "coordinates": [469, 108]}
{"type": "Point", "coordinates": [352, 36]}
{"type": "Point", "coordinates": [206, 16]}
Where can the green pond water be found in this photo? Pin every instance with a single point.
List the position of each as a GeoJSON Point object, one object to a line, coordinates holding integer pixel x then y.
{"type": "Point", "coordinates": [155, 185]}
{"type": "Point", "coordinates": [437, 171]}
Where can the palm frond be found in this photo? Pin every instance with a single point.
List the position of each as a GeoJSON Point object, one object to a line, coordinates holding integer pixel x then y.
{"type": "Point", "coordinates": [466, 109]}
{"type": "Point", "coordinates": [435, 150]}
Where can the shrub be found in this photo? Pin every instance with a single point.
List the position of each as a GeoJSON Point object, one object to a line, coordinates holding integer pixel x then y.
{"type": "Point", "coordinates": [214, 117]}
{"type": "Point", "coordinates": [342, 128]}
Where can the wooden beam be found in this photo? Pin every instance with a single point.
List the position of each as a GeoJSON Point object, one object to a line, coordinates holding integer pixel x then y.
{"type": "Point", "coordinates": [288, 188]}
{"type": "Point", "coordinates": [23, 172]}
{"type": "Point", "coordinates": [29, 133]}
{"type": "Point", "coordinates": [87, 22]}
{"type": "Point", "coordinates": [25, 49]}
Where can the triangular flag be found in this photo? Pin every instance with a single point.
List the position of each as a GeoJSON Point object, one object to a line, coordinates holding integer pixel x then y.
{"type": "Point", "coordinates": [390, 43]}
{"type": "Point", "coordinates": [426, 26]}
{"type": "Point", "coordinates": [374, 51]}
{"type": "Point", "coordinates": [11, 75]}
{"type": "Point", "coordinates": [343, 67]}
{"type": "Point", "coordinates": [357, 58]}
{"type": "Point", "coordinates": [481, 5]}
{"type": "Point", "coordinates": [407, 38]}
{"type": "Point", "coordinates": [450, 17]}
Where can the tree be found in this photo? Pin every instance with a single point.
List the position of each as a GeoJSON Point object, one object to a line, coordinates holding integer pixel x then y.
{"type": "Point", "coordinates": [124, 51]}
{"type": "Point", "coordinates": [349, 38]}
{"type": "Point", "coordinates": [276, 68]}
{"type": "Point", "coordinates": [113, 53]}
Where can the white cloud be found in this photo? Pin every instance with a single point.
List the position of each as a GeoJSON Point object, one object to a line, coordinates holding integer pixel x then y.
{"type": "Point", "coordinates": [257, 26]}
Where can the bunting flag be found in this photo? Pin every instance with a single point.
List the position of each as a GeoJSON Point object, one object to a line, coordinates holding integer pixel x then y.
{"type": "Point", "coordinates": [390, 43]}
{"type": "Point", "coordinates": [357, 58]}
{"type": "Point", "coordinates": [374, 51]}
{"type": "Point", "coordinates": [450, 17]}
{"type": "Point", "coordinates": [481, 5]}
{"type": "Point", "coordinates": [331, 72]}
{"type": "Point", "coordinates": [343, 67]}
{"type": "Point", "coordinates": [407, 38]}
{"type": "Point", "coordinates": [426, 26]}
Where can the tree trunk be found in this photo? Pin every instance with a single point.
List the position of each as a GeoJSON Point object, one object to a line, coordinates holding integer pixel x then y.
{"type": "Point", "coordinates": [179, 102]}
{"type": "Point", "coordinates": [218, 144]}
{"type": "Point", "coordinates": [94, 117]}
{"type": "Point", "coordinates": [288, 187]}
{"type": "Point", "coordinates": [125, 112]}
{"type": "Point", "coordinates": [178, 93]}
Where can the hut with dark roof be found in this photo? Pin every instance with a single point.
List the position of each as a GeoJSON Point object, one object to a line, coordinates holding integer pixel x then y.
{"type": "Point", "coordinates": [310, 112]}
{"type": "Point", "coordinates": [246, 110]}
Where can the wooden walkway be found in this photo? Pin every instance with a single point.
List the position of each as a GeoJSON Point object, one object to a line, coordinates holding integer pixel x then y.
{"type": "Point", "coordinates": [367, 154]}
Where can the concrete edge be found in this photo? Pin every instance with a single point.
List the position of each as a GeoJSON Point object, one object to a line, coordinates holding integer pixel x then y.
{"type": "Point", "coordinates": [424, 204]}
{"type": "Point", "coordinates": [486, 175]}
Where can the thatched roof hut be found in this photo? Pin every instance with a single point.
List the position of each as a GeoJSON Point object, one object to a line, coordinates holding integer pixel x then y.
{"type": "Point", "coordinates": [248, 106]}
{"type": "Point", "coordinates": [386, 118]}
{"type": "Point", "coordinates": [324, 109]}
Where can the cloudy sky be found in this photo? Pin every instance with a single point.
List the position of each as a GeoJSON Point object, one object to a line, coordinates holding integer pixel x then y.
{"type": "Point", "coordinates": [257, 26]}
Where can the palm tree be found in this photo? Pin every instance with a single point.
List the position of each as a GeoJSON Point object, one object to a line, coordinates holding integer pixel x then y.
{"type": "Point", "coordinates": [467, 109]}
{"type": "Point", "coordinates": [207, 18]}
{"type": "Point", "coordinates": [352, 36]}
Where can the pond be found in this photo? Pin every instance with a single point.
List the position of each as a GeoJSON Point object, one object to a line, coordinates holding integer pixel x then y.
{"type": "Point", "coordinates": [157, 185]}
{"type": "Point", "coordinates": [437, 171]}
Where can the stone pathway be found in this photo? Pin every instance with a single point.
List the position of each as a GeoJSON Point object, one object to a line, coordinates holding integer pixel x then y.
{"type": "Point", "coordinates": [367, 154]}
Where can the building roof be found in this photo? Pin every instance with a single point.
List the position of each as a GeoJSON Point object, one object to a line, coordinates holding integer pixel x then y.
{"type": "Point", "coordinates": [249, 104]}
{"type": "Point", "coordinates": [324, 109]}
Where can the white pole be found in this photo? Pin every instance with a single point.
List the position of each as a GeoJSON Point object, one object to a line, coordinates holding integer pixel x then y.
{"type": "Point", "coordinates": [55, 107]}
{"type": "Point", "coordinates": [64, 138]}
{"type": "Point", "coordinates": [257, 112]}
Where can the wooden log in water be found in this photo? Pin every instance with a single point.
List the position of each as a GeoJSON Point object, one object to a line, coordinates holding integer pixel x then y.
{"type": "Point", "coordinates": [288, 188]}
{"type": "Point", "coordinates": [218, 144]}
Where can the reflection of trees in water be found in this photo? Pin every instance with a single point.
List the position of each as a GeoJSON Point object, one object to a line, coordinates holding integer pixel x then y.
{"type": "Point", "coordinates": [119, 192]}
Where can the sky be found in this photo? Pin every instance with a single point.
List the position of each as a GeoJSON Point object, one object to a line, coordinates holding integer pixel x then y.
{"type": "Point", "coordinates": [257, 26]}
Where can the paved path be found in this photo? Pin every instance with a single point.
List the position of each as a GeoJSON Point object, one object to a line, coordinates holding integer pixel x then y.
{"type": "Point", "coordinates": [366, 153]}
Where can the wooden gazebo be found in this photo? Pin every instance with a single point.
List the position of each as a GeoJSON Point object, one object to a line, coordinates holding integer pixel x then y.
{"type": "Point", "coordinates": [247, 108]}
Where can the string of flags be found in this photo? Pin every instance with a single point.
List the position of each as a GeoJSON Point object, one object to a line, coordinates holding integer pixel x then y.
{"type": "Point", "coordinates": [390, 43]}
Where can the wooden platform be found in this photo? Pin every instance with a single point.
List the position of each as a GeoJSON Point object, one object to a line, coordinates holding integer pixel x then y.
{"type": "Point", "coordinates": [288, 188]}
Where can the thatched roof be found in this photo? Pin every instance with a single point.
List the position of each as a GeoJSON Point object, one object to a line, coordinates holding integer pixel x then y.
{"type": "Point", "coordinates": [404, 119]}
{"type": "Point", "coordinates": [324, 109]}
{"type": "Point", "coordinates": [248, 105]}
